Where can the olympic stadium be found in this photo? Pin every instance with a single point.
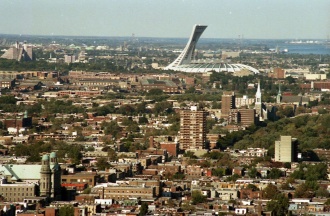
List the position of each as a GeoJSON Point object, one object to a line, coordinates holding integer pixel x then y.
{"type": "Point", "coordinates": [185, 63]}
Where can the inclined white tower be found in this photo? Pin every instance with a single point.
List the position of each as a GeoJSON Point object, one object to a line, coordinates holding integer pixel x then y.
{"type": "Point", "coordinates": [187, 54]}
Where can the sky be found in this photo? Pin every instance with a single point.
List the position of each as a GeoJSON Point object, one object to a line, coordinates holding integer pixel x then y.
{"type": "Point", "coordinates": [250, 19]}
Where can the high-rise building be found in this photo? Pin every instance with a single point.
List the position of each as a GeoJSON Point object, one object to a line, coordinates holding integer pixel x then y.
{"type": "Point", "coordinates": [227, 103]}
{"type": "Point", "coordinates": [69, 59]}
{"type": "Point", "coordinates": [193, 129]}
{"type": "Point", "coordinates": [279, 73]}
{"type": "Point", "coordinates": [285, 150]}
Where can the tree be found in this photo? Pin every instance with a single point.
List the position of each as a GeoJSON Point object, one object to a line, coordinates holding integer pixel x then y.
{"type": "Point", "coordinates": [155, 91]}
{"type": "Point", "coordinates": [218, 172]}
{"type": "Point", "coordinates": [306, 190]}
{"type": "Point", "coordinates": [270, 192]}
{"type": "Point", "coordinates": [316, 172]}
{"type": "Point", "coordinates": [253, 173]}
{"type": "Point", "coordinates": [322, 192]}
{"type": "Point", "coordinates": [178, 176]}
{"type": "Point", "coordinates": [288, 111]}
{"type": "Point", "coordinates": [143, 209]}
{"type": "Point", "coordinates": [290, 79]}
{"type": "Point", "coordinates": [112, 154]}
{"type": "Point", "coordinates": [111, 128]}
{"type": "Point", "coordinates": [275, 173]}
{"type": "Point", "coordinates": [197, 197]}
{"type": "Point", "coordinates": [74, 153]}
{"type": "Point", "coordinates": [279, 205]}
{"type": "Point", "coordinates": [87, 190]}
{"type": "Point", "coordinates": [190, 154]}
{"type": "Point", "coordinates": [143, 120]}
{"type": "Point", "coordinates": [233, 178]}
{"type": "Point", "coordinates": [66, 210]}
{"type": "Point", "coordinates": [102, 163]}
{"type": "Point", "coordinates": [190, 90]}
{"type": "Point", "coordinates": [252, 187]}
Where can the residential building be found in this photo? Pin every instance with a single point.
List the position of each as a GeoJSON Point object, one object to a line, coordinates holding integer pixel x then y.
{"type": "Point", "coordinates": [227, 103]}
{"type": "Point", "coordinates": [285, 149]}
{"type": "Point", "coordinates": [192, 129]}
{"type": "Point", "coordinates": [17, 192]}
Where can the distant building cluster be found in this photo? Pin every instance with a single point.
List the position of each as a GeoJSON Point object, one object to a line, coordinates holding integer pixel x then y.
{"type": "Point", "coordinates": [20, 52]}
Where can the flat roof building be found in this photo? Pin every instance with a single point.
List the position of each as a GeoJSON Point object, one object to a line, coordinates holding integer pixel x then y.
{"type": "Point", "coordinates": [285, 149]}
{"type": "Point", "coordinates": [192, 129]}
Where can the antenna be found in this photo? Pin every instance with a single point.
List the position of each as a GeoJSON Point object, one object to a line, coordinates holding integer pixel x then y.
{"type": "Point", "coordinates": [239, 42]}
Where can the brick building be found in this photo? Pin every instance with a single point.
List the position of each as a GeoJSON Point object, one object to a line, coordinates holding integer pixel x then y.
{"type": "Point", "coordinates": [227, 103]}
{"type": "Point", "coordinates": [193, 129]}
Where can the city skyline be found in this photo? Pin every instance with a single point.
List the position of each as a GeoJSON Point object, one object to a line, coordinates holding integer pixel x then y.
{"type": "Point", "coordinates": [253, 19]}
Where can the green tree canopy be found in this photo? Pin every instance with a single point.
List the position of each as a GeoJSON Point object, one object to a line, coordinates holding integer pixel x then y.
{"type": "Point", "coordinates": [66, 210]}
{"type": "Point", "coordinates": [197, 197]}
{"type": "Point", "coordinates": [278, 205]}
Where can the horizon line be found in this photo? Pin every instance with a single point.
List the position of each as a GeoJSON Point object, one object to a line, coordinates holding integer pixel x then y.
{"type": "Point", "coordinates": [90, 36]}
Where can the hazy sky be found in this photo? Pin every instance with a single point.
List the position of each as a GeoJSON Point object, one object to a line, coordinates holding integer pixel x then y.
{"type": "Point", "coordinates": [296, 19]}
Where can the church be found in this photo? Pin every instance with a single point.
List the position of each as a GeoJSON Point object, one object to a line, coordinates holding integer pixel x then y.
{"type": "Point", "coordinates": [45, 177]}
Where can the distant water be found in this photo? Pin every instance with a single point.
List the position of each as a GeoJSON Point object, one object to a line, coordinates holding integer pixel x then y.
{"type": "Point", "coordinates": [321, 48]}
{"type": "Point", "coordinates": [318, 49]}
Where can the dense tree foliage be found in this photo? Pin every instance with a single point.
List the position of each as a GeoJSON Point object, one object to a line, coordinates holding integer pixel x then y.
{"type": "Point", "coordinates": [143, 209]}
{"type": "Point", "coordinates": [102, 164]}
{"type": "Point", "coordinates": [197, 197]}
{"type": "Point", "coordinates": [100, 65]}
{"type": "Point", "coordinates": [274, 173]}
{"type": "Point", "coordinates": [278, 205]}
{"type": "Point", "coordinates": [306, 190]}
{"type": "Point", "coordinates": [111, 128]}
{"type": "Point", "coordinates": [253, 173]}
{"type": "Point", "coordinates": [66, 210]}
{"type": "Point", "coordinates": [311, 172]}
{"type": "Point", "coordinates": [311, 132]}
{"type": "Point", "coordinates": [63, 150]}
{"type": "Point", "coordinates": [270, 192]}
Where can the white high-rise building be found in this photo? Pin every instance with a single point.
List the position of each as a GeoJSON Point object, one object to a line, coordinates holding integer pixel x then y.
{"type": "Point", "coordinates": [284, 149]}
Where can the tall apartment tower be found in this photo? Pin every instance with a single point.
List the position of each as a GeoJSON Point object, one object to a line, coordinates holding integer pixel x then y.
{"type": "Point", "coordinates": [192, 129]}
{"type": "Point", "coordinates": [227, 103]}
{"type": "Point", "coordinates": [45, 177]}
{"type": "Point", "coordinates": [285, 150]}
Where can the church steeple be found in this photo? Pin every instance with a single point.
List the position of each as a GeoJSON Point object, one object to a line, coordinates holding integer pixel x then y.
{"type": "Point", "coordinates": [45, 177]}
{"type": "Point", "coordinates": [257, 105]}
{"type": "Point", "coordinates": [279, 94]}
